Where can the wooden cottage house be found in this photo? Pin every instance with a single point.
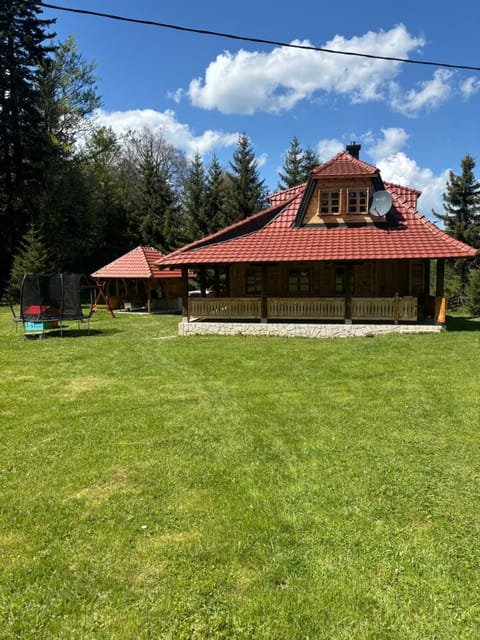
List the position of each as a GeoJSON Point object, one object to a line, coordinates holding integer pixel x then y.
{"type": "Point", "coordinates": [344, 247]}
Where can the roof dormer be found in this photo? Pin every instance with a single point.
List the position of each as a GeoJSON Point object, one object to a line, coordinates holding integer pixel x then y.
{"type": "Point", "coordinates": [340, 191]}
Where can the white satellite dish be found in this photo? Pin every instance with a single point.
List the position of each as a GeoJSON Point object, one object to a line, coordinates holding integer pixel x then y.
{"type": "Point", "coordinates": [381, 203]}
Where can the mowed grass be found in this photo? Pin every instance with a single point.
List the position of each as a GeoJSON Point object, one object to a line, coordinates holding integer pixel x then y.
{"type": "Point", "coordinates": [229, 487]}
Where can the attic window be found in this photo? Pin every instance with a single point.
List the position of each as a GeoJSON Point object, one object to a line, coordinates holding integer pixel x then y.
{"type": "Point", "coordinates": [330, 202]}
{"type": "Point", "coordinates": [358, 201]}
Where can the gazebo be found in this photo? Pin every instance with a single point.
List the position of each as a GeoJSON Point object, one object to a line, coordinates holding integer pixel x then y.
{"type": "Point", "coordinates": [134, 282]}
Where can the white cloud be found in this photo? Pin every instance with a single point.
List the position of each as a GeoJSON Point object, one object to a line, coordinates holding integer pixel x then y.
{"type": "Point", "coordinates": [178, 134]}
{"type": "Point", "coordinates": [395, 166]}
{"type": "Point", "coordinates": [262, 160]}
{"type": "Point", "coordinates": [431, 94]}
{"type": "Point", "coordinates": [246, 82]}
{"type": "Point", "coordinates": [327, 148]}
{"type": "Point", "coordinates": [393, 140]}
{"type": "Point", "coordinates": [469, 87]}
{"type": "Point", "coordinates": [401, 169]}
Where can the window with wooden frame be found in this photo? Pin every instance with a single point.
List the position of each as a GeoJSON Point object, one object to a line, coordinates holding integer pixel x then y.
{"type": "Point", "coordinates": [357, 200]}
{"type": "Point", "coordinates": [329, 202]}
{"type": "Point", "coordinates": [299, 281]}
{"type": "Point", "coordinates": [253, 284]}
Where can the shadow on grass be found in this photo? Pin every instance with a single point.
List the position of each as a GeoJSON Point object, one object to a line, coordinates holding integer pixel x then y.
{"type": "Point", "coordinates": [463, 323]}
{"type": "Point", "coordinates": [71, 333]}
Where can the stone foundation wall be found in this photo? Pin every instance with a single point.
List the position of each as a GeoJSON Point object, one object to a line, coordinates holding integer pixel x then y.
{"type": "Point", "coordinates": [291, 330]}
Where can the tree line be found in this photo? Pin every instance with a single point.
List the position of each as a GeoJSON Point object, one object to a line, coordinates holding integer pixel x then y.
{"type": "Point", "coordinates": [75, 196]}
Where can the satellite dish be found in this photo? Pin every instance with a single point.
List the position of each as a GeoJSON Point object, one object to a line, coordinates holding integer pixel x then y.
{"type": "Point", "coordinates": [381, 203]}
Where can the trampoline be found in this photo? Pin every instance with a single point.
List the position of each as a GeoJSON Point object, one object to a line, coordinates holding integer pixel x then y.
{"type": "Point", "coordinates": [47, 301]}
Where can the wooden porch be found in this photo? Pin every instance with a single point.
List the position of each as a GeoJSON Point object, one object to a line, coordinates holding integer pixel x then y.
{"type": "Point", "coordinates": [391, 309]}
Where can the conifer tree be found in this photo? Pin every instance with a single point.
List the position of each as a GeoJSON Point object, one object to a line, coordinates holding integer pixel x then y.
{"type": "Point", "coordinates": [247, 190]}
{"type": "Point", "coordinates": [293, 172]}
{"type": "Point", "coordinates": [310, 160]}
{"type": "Point", "coordinates": [216, 196]}
{"type": "Point", "coordinates": [196, 222]}
{"type": "Point", "coordinates": [32, 257]}
{"type": "Point", "coordinates": [22, 138]}
{"type": "Point", "coordinates": [158, 211]}
{"type": "Point", "coordinates": [461, 215]}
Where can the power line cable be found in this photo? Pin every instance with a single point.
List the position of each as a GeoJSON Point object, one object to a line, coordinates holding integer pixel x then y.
{"type": "Point", "coordinates": [231, 36]}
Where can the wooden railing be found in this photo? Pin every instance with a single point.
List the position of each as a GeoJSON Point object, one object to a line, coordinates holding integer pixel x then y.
{"type": "Point", "coordinates": [248, 308]}
{"type": "Point", "coordinates": [395, 308]}
{"type": "Point", "coordinates": [306, 308]}
{"type": "Point", "coordinates": [407, 308]}
{"type": "Point", "coordinates": [390, 309]}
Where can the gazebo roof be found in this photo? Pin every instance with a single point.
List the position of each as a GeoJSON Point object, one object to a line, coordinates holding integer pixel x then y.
{"type": "Point", "coordinates": [137, 263]}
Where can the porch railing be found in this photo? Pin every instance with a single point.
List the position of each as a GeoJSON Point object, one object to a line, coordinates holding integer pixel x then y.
{"type": "Point", "coordinates": [306, 308]}
{"type": "Point", "coordinates": [390, 309]}
{"type": "Point", "coordinates": [248, 308]}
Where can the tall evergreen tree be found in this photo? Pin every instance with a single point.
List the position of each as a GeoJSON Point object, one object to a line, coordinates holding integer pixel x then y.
{"type": "Point", "coordinates": [310, 160]}
{"type": "Point", "coordinates": [216, 196]}
{"type": "Point", "coordinates": [292, 167]}
{"type": "Point", "coordinates": [461, 217]}
{"type": "Point", "coordinates": [23, 48]}
{"type": "Point", "coordinates": [196, 222]}
{"type": "Point", "coordinates": [107, 209]}
{"type": "Point", "coordinates": [247, 189]}
{"type": "Point", "coordinates": [67, 97]}
{"type": "Point", "coordinates": [67, 90]}
{"type": "Point", "coordinates": [158, 213]}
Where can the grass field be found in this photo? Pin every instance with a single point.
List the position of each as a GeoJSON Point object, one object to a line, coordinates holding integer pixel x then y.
{"type": "Point", "coordinates": [229, 487]}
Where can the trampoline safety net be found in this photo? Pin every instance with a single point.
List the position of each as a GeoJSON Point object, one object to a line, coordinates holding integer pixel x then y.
{"type": "Point", "coordinates": [52, 298]}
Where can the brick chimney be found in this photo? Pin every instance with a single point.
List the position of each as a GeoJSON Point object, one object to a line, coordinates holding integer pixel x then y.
{"type": "Point", "coordinates": [354, 149]}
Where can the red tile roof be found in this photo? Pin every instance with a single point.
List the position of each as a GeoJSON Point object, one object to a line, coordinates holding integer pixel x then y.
{"type": "Point", "coordinates": [343, 164]}
{"type": "Point", "coordinates": [273, 236]}
{"type": "Point", "coordinates": [137, 263]}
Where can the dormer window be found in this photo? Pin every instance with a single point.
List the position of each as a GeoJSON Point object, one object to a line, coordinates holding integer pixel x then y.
{"type": "Point", "coordinates": [330, 202]}
{"type": "Point", "coordinates": [358, 201]}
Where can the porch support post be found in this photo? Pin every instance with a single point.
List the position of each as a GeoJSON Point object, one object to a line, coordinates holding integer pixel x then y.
{"type": "Point", "coordinates": [440, 313]}
{"type": "Point", "coordinates": [227, 280]}
{"type": "Point", "coordinates": [185, 293]}
{"type": "Point", "coordinates": [263, 294]}
{"type": "Point", "coordinates": [348, 293]}
{"type": "Point", "coordinates": [203, 281]}
{"type": "Point", "coordinates": [149, 296]}
{"type": "Point", "coordinates": [427, 303]}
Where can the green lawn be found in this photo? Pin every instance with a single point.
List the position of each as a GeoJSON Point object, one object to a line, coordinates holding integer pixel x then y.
{"type": "Point", "coordinates": [230, 487]}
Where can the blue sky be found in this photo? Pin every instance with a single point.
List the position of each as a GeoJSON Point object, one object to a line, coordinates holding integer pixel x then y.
{"type": "Point", "coordinates": [414, 122]}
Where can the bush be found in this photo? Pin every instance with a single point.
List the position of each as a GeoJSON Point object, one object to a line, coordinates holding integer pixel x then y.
{"type": "Point", "coordinates": [472, 291]}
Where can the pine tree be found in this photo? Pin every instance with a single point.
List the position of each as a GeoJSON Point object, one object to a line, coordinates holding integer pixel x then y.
{"type": "Point", "coordinates": [310, 160]}
{"type": "Point", "coordinates": [22, 138]}
{"type": "Point", "coordinates": [461, 215]}
{"type": "Point", "coordinates": [216, 196]}
{"type": "Point", "coordinates": [293, 172]}
{"type": "Point", "coordinates": [158, 214]}
{"type": "Point", "coordinates": [32, 257]}
{"type": "Point", "coordinates": [196, 221]}
{"type": "Point", "coordinates": [247, 190]}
